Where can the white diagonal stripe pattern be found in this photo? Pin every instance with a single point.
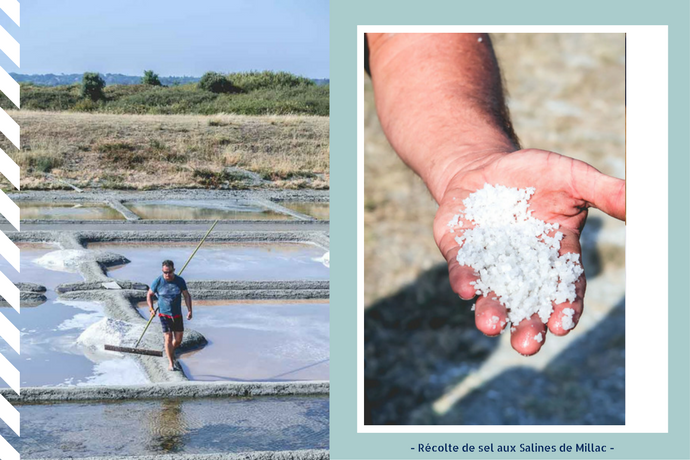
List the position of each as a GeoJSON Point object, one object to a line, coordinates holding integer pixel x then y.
{"type": "Point", "coordinates": [9, 127]}
{"type": "Point", "coordinates": [9, 86]}
{"type": "Point", "coordinates": [9, 46]}
{"type": "Point", "coordinates": [9, 374]}
{"type": "Point", "coordinates": [9, 210]}
{"type": "Point", "coordinates": [9, 415]}
{"type": "Point", "coordinates": [9, 251]}
{"type": "Point", "coordinates": [9, 291]}
{"type": "Point", "coordinates": [9, 169]}
{"type": "Point", "coordinates": [7, 452]}
{"type": "Point", "coordinates": [11, 8]}
{"type": "Point", "coordinates": [9, 332]}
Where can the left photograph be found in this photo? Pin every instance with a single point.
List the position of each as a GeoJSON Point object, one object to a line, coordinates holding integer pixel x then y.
{"type": "Point", "coordinates": [174, 236]}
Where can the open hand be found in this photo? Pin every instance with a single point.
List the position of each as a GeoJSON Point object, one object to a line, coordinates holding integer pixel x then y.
{"type": "Point", "coordinates": [565, 189]}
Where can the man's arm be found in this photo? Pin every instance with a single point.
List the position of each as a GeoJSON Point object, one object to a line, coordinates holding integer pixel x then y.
{"type": "Point", "coordinates": [188, 302]}
{"type": "Point", "coordinates": [440, 101]}
{"type": "Point", "coordinates": [149, 301]}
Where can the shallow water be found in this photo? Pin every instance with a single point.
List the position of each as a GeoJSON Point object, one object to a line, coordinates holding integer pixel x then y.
{"type": "Point", "coordinates": [220, 261]}
{"type": "Point", "coordinates": [31, 272]}
{"type": "Point", "coordinates": [68, 211]}
{"type": "Point", "coordinates": [259, 340]}
{"type": "Point", "coordinates": [49, 353]}
{"type": "Point", "coordinates": [319, 211]}
{"type": "Point", "coordinates": [208, 209]}
{"type": "Point", "coordinates": [197, 426]}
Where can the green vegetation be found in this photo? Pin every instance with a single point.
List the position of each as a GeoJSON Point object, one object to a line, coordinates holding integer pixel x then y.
{"type": "Point", "coordinates": [255, 93]}
{"type": "Point", "coordinates": [150, 78]}
{"type": "Point", "coordinates": [217, 83]}
{"type": "Point", "coordinates": [92, 86]}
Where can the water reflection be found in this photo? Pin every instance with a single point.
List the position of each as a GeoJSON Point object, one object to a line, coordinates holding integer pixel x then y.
{"type": "Point", "coordinates": [319, 211]}
{"type": "Point", "coordinates": [189, 426]}
{"type": "Point", "coordinates": [186, 210]}
{"type": "Point", "coordinates": [67, 211]}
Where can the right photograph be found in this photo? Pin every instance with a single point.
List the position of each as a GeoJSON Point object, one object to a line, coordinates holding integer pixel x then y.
{"type": "Point", "coordinates": [494, 228]}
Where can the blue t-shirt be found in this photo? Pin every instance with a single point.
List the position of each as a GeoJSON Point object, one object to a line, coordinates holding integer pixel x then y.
{"type": "Point", "coordinates": [169, 295]}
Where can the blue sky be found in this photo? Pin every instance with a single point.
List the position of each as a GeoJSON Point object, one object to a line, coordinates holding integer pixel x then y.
{"type": "Point", "coordinates": [171, 37]}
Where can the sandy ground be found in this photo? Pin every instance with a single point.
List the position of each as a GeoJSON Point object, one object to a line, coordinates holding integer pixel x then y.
{"type": "Point", "coordinates": [423, 355]}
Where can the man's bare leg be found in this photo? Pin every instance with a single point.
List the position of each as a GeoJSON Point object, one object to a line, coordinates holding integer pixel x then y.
{"type": "Point", "coordinates": [177, 339]}
{"type": "Point", "coordinates": [169, 349]}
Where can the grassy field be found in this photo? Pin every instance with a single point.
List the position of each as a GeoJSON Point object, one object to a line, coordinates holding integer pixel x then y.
{"type": "Point", "coordinates": [166, 151]}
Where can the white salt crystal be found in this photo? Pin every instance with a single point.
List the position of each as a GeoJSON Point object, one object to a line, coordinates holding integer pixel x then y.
{"type": "Point", "coordinates": [454, 223]}
{"type": "Point", "coordinates": [513, 254]}
{"type": "Point", "coordinates": [479, 40]}
{"type": "Point", "coordinates": [538, 338]}
{"type": "Point", "coordinates": [567, 321]}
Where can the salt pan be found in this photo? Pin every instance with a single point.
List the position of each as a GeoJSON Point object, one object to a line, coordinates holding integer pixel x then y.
{"type": "Point", "coordinates": [516, 255]}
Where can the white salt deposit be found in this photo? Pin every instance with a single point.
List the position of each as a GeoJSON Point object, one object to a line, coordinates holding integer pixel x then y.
{"type": "Point", "coordinates": [567, 321]}
{"type": "Point", "coordinates": [455, 221]}
{"type": "Point", "coordinates": [538, 338]}
{"type": "Point", "coordinates": [66, 260]}
{"type": "Point", "coordinates": [516, 255]}
{"type": "Point", "coordinates": [111, 285]}
{"type": "Point", "coordinates": [94, 312]}
{"type": "Point", "coordinates": [110, 331]}
{"type": "Point", "coordinates": [325, 259]}
{"type": "Point", "coordinates": [117, 371]}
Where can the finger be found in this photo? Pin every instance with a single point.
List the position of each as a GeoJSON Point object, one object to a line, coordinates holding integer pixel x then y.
{"type": "Point", "coordinates": [460, 276]}
{"type": "Point", "coordinates": [601, 191]}
{"type": "Point", "coordinates": [528, 337]}
{"type": "Point", "coordinates": [489, 315]}
{"type": "Point", "coordinates": [566, 315]}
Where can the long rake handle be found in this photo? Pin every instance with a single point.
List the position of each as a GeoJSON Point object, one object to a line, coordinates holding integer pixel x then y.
{"type": "Point", "coordinates": [183, 267]}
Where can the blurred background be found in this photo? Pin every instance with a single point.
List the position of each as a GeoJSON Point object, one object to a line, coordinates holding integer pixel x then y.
{"type": "Point", "coordinates": [425, 362]}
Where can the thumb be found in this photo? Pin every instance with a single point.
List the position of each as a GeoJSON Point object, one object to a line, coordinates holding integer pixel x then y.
{"type": "Point", "coordinates": [603, 192]}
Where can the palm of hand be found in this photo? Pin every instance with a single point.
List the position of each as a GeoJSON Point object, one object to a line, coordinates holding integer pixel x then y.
{"type": "Point", "coordinates": [565, 188]}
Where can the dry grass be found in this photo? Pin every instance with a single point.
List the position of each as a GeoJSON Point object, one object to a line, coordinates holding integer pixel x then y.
{"type": "Point", "coordinates": [159, 151]}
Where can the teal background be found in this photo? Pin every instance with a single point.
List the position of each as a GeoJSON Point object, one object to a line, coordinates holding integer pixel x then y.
{"type": "Point", "coordinates": [345, 16]}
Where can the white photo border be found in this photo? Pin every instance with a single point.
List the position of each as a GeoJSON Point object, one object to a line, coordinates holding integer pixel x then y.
{"type": "Point", "coordinates": [646, 363]}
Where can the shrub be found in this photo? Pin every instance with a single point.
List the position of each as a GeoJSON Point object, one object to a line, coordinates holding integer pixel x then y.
{"type": "Point", "coordinates": [41, 161]}
{"type": "Point", "coordinates": [92, 86]}
{"type": "Point", "coordinates": [150, 78]}
{"type": "Point", "coordinates": [217, 83]}
{"type": "Point", "coordinates": [251, 81]}
{"type": "Point", "coordinates": [85, 105]}
{"type": "Point", "coordinates": [162, 100]}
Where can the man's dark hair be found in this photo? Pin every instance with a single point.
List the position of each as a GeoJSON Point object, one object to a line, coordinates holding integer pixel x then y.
{"type": "Point", "coordinates": [169, 264]}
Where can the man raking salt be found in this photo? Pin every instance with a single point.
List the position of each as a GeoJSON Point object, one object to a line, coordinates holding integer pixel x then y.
{"type": "Point", "coordinates": [170, 288]}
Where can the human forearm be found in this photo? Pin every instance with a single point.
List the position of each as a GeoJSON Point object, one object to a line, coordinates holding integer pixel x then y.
{"type": "Point", "coordinates": [149, 300]}
{"type": "Point", "coordinates": [440, 101]}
